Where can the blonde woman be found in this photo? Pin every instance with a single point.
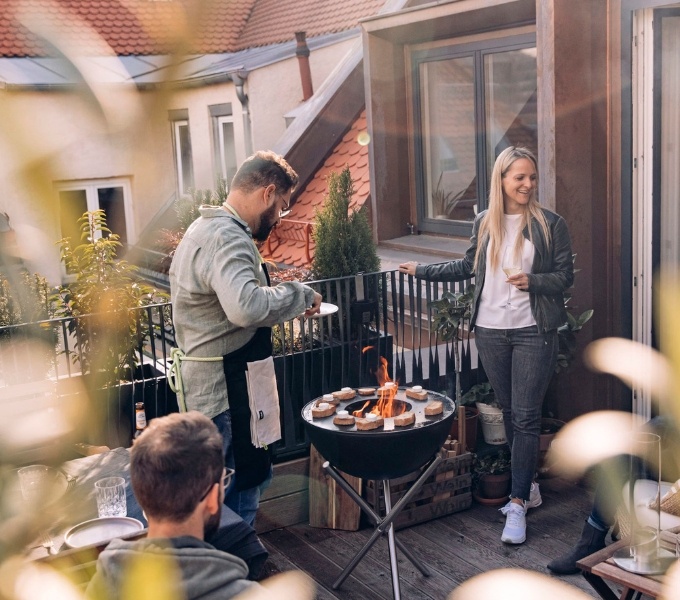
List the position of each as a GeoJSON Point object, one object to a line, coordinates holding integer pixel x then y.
{"type": "Point", "coordinates": [520, 254]}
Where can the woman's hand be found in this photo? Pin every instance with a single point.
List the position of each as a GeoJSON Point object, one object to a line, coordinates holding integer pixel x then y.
{"type": "Point", "coordinates": [520, 281]}
{"type": "Point", "coordinates": [408, 267]}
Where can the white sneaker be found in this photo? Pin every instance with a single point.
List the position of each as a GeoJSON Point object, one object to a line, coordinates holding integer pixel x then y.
{"type": "Point", "coordinates": [515, 530]}
{"type": "Point", "coordinates": [535, 499]}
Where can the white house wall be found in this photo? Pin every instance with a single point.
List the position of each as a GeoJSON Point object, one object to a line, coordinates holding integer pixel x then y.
{"type": "Point", "coordinates": [277, 89]}
{"type": "Point", "coordinates": [63, 137]}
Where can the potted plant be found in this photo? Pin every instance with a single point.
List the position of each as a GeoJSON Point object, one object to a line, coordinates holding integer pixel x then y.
{"type": "Point", "coordinates": [482, 396]}
{"type": "Point", "coordinates": [107, 335]}
{"type": "Point", "coordinates": [491, 478]}
{"type": "Point", "coordinates": [448, 321]}
{"type": "Point", "coordinates": [443, 202]}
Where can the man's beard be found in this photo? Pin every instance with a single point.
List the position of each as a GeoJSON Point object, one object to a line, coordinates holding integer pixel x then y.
{"type": "Point", "coordinates": [212, 524]}
{"type": "Point", "coordinates": [268, 220]}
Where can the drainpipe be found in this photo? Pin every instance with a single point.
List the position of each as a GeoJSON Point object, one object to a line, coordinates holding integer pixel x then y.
{"type": "Point", "coordinates": [302, 52]}
{"type": "Point", "coordinates": [239, 80]}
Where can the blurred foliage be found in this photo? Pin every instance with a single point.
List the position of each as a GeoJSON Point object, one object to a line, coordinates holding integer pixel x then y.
{"type": "Point", "coordinates": [106, 333]}
{"type": "Point", "coordinates": [27, 303]}
{"type": "Point", "coordinates": [343, 237]}
{"type": "Point", "coordinates": [187, 206]}
{"type": "Point", "coordinates": [187, 212]}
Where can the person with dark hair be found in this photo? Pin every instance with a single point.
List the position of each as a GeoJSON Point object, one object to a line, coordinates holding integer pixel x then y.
{"type": "Point", "coordinates": [223, 311]}
{"type": "Point", "coordinates": [178, 477]}
{"type": "Point", "coordinates": [520, 255]}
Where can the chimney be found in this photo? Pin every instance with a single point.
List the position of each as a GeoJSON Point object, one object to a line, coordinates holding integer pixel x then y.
{"type": "Point", "coordinates": [302, 52]}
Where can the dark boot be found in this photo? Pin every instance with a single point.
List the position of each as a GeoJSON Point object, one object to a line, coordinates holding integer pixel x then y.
{"type": "Point", "coordinates": [591, 541]}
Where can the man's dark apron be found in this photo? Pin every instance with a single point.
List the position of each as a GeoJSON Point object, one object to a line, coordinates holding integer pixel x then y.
{"type": "Point", "coordinates": [252, 464]}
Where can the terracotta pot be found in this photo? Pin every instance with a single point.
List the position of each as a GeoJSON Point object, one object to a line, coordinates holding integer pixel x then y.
{"type": "Point", "coordinates": [494, 487]}
{"type": "Point", "coordinates": [471, 418]}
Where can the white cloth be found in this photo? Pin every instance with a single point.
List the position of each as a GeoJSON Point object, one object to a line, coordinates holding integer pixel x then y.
{"type": "Point", "coordinates": [265, 425]}
{"type": "Point", "coordinates": [493, 312]}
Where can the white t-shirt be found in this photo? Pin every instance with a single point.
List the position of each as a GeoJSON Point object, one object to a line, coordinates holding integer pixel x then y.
{"type": "Point", "coordinates": [502, 305]}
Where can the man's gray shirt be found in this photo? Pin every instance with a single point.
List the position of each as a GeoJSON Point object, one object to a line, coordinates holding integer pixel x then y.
{"type": "Point", "coordinates": [219, 298]}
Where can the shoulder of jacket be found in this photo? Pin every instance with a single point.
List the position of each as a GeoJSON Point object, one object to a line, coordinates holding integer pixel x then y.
{"type": "Point", "coordinates": [551, 217]}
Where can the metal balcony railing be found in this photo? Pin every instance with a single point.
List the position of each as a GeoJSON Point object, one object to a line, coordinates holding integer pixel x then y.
{"type": "Point", "coordinates": [381, 328]}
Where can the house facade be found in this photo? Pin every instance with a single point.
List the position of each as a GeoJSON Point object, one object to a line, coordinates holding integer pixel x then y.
{"type": "Point", "coordinates": [125, 106]}
{"type": "Point", "coordinates": [592, 87]}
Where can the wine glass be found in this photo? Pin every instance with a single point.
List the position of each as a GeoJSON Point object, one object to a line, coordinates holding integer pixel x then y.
{"type": "Point", "coordinates": [511, 265]}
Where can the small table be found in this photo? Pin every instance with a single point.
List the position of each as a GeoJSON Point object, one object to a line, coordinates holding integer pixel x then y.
{"type": "Point", "coordinates": [79, 504]}
{"type": "Point", "coordinates": [598, 569]}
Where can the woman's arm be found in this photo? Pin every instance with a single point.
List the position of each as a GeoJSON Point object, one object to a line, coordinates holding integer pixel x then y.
{"type": "Point", "coordinates": [455, 270]}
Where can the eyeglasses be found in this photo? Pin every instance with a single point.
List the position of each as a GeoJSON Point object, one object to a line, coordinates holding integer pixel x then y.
{"type": "Point", "coordinates": [224, 480]}
{"type": "Point", "coordinates": [286, 211]}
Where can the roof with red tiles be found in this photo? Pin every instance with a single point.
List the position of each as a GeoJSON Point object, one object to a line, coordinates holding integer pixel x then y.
{"type": "Point", "coordinates": [146, 27]}
{"type": "Point", "coordinates": [291, 242]}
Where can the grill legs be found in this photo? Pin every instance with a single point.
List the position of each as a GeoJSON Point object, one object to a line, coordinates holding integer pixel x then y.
{"type": "Point", "coordinates": [383, 525]}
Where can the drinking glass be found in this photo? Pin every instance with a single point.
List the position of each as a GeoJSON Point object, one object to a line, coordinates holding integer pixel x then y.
{"type": "Point", "coordinates": [35, 481]}
{"type": "Point", "coordinates": [511, 265]}
{"type": "Point", "coordinates": [111, 500]}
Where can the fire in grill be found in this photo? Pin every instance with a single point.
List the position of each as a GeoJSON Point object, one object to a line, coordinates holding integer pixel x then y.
{"type": "Point", "coordinates": [388, 434]}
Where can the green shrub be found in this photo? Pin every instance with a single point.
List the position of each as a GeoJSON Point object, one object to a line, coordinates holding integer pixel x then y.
{"type": "Point", "coordinates": [344, 241]}
{"type": "Point", "coordinates": [105, 288]}
{"type": "Point", "coordinates": [187, 206]}
{"type": "Point", "coordinates": [24, 299]}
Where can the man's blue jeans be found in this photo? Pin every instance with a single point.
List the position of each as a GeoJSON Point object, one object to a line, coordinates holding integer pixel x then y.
{"type": "Point", "coordinates": [519, 364]}
{"type": "Point", "coordinates": [245, 502]}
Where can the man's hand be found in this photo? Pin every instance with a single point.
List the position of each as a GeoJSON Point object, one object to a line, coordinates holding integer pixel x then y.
{"type": "Point", "coordinates": [408, 267]}
{"type": "Point", "coordinates": [316, 305]}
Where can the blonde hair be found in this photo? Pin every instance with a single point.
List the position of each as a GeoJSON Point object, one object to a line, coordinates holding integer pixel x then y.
{"type": "Point", "coordinates": [491, 228]}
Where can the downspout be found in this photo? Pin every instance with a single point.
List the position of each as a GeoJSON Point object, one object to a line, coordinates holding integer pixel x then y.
{"type": "Point", "coordinates": [239, 80]}
{"type": "Point", "coordinates": [302, 52]}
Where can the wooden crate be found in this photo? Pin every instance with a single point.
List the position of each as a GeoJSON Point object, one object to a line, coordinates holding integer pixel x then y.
{"type": "Point", "coordinates": [446, 491]}
{"type": "Point", "coordinates": [286, 501]}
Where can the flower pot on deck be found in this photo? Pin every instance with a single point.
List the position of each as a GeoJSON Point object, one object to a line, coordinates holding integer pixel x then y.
{"type": "Point", "coordinates": [471, 418]}
{"type": "Point", "coordinates": [491, 419]}
{"type": "Point", "coordinates": [493, 489]}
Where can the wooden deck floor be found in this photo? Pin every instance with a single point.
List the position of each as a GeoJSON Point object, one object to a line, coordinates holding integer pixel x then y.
{"type": "Point", "coordinates": [455, 547]}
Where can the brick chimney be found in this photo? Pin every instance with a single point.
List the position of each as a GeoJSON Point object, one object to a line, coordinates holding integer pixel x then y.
{"type": "Point", "coordinates": [302, 52]}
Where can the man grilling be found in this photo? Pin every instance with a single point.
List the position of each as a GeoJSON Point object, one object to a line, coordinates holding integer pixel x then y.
{"type": "Point", "coordinates": [223, 311]}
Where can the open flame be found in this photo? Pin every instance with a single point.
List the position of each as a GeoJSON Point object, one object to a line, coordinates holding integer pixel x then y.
{"type": "Point", "coordinates": [387, 392]}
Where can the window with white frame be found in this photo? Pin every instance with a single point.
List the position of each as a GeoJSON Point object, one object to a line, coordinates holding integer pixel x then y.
{"type": "Point", "coordinates": [181, 140]}
{"type": "Point", "coordinates": [224, 144]}
{"type": "Point", "coordinates": [110, 195]}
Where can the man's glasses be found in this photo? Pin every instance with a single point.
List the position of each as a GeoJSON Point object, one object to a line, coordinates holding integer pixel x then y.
{"type": "Point", "coordinates": [225, 480]}
{"type": "Point", "coordinates": [286, 211]}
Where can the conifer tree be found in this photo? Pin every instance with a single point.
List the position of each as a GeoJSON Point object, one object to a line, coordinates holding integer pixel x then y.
{"type": "Point", "coordinates": [344, 242]}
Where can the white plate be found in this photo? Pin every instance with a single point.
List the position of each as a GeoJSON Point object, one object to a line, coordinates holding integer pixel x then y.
{"type": "Point", "coordinates": [325, 309]}
{"type": "Point", "coordinates": [97, 531]}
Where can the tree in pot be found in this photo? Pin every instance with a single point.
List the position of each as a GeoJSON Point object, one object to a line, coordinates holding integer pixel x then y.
{"type": "Point", "coordinates": [491, 478]}
{"type": "Point", "coordinates": [450, 313]}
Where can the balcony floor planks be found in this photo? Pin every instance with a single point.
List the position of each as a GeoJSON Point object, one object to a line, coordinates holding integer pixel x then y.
{"type": "Point", "coordinates": [454, 547]}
